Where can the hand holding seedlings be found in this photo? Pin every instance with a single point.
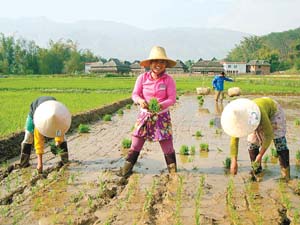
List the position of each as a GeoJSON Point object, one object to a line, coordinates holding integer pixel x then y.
{"type": "Point", "coordinates": [154, 106]}
{"type": "Point", "coordinates": [143, 103]}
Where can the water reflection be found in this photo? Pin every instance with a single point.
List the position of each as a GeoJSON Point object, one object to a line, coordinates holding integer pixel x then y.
{"type": "Point", "coordinates": [218, 111]}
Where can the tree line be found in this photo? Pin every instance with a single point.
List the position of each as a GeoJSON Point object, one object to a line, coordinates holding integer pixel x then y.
{"type": "Point", "coordinates": [19, 56]}
{"type": "Point", "coordinates": [281, 50]}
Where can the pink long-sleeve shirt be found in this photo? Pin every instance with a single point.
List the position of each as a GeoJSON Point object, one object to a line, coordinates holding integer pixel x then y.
{"type": "Point", "coordinates": [163, 89]}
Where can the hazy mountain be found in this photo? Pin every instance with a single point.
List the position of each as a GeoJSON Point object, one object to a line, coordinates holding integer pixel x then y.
{"type": "Point", "coordinates": [111, 39]}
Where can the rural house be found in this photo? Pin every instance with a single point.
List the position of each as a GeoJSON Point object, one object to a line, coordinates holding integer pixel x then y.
{"type": "Point", "coordinates": [111, 66]}
{"type": "Point", "coordinates": [234, 67]}
{"type": "Point", "coordinates": [258, 67]}
{"type": "Point", "coordinates": [180, 67]}
{"type": "Point", "coordinates": [207, 67]}
{"type": "Point", "coordinates": [135, 67]}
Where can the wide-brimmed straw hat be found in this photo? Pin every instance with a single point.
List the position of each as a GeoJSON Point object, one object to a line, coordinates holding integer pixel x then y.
{"type": "Point", "coordinates": [240, 117]}
{"type": "Point", "coordinates": [158, 53]}
{"type": "Point", "coordinates": [52, 119]}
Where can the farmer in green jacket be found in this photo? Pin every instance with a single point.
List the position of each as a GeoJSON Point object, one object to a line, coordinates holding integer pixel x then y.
{"type": "Point", "coordinates": [263, 120]}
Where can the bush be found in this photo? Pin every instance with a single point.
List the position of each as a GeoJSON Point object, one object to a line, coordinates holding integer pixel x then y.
{"type": "Point", "coordinates": [128, 106]}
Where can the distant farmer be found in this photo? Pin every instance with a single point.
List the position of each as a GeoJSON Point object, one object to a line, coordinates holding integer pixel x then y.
{"type": "Point", "coordinates": [47, 118]}
{"type": "Point", "coordinates": [218, 85]}
{"type": "Point", "coordinates": [262, 119]}
{"type": "Point", "coordinates": [153, 126]}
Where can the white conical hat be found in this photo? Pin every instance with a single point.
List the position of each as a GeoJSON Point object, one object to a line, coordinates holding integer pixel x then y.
{"type": "Point", "coordinates": [158, 53]}
{"type": "Point", "coordinates": [52, 119]}
{"type": "Point", "coordinates": [240, 117]}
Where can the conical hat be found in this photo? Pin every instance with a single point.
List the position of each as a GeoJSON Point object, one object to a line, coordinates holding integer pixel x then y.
{"type": "Point", "coordinates": [52, 119]}
{"type": "Point", "coordinates": [240, 117]}
{"type": "Point", "coordinates": [157, 53]}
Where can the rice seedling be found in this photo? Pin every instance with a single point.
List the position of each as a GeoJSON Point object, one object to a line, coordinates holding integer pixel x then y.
{"type": "Point", "coordinates": [37, 204]}
{"type": "Point", "coordinates": [77, 197]}
{"type": "Point", "coordinates": [266, 159]}
{"type": "Point", "coordinates": [198, 199]}
{"type": "Point", "coordinates": [274, 152]}
{"type": "Point", "coordinates": [297, 156]}
{"type": "Point", "coordinates": [230, 204]}
{"type": "Point", "coordinates": [184, 150]}
{"type": "Point", "coordinates": [284, 197]}
{"type": "Point", "coordinates": [83, 128]}
{"type": "Point", "coordinates": [126, 143]}
{"type": "Point", "coordinates": [120, 112]}
{"type": "Point", "coordinates": [256, 207]}
{"type": "Point", "coordinates": [219, 131]}
{"type": "Point", "coordinates": [297, 122]}
{"type": "Point", "coordinates": [178, 201]}
{"type": "Point", "coordinates": [198, 133]}
{"type": "Point", "coordinates": [193, 150]}
{"type": "Point", "coordinates": [255, 165]}
{"type": "Point", "coordinates": [200, 97]}
{"type": "Point", "coordinates": [153, 105]}
{"type": "Point", "coordinates": [149, 196]}
{"type": "Point", "coordinates": [204, 147]}
{"type": "Point", "coordinates": [227, 162]}
{"type": "Point", "coordinates": [107, 117]}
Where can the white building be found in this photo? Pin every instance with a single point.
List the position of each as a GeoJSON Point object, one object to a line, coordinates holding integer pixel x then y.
{"type": "Point", "coordinates": [235, 67]}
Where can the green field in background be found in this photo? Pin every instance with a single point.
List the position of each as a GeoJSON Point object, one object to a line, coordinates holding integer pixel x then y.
{"type": "Point", "coordinates": [81, 93]}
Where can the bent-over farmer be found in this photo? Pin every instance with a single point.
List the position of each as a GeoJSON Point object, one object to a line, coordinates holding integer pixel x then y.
{"type": "Point", "coordinates": [47, 118]}
{"type": "Point", "coordinates": [263, 120]}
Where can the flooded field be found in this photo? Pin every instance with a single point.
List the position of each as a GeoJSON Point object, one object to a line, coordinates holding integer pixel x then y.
{"type": "Point", "coordinates": [88, 191]}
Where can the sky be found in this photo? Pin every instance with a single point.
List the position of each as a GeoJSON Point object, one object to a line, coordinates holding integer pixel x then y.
{"type": "Point", "coordinates": [256, 17]}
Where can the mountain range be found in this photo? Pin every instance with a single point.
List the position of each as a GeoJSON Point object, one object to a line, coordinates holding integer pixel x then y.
{"type": "Point", "coordinates": [117, 40]}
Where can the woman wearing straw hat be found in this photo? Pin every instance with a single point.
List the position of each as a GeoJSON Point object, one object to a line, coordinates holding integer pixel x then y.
{"type": "Point", "coordinates": [155, 83]}
{"type": "Point", "coordinates": [47, 118]}
{"type": "Point", "coordinates": [262, 119]}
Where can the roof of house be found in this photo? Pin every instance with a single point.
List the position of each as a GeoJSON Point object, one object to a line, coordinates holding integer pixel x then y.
{"type": "Point", "coordinates": [258, 63]}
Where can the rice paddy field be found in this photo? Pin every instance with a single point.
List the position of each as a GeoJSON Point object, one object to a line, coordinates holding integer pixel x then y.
{"type": "Point", "coordinates": [88, 190]}
{"type": "Point", "coordinates": [82, 93]}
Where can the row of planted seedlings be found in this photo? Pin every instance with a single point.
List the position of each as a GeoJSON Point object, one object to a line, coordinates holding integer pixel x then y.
{"type": "Point", "coordinates": [292, 211]}
{"type": "Point", "coordinates": [21, 185]}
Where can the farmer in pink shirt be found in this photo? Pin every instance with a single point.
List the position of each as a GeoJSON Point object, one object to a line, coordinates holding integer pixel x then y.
{"type": "Point", "coordinates": [153, 126]}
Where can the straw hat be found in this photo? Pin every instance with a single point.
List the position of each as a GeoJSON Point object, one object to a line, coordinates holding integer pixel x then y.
{"type": "Point", "coordinates": [52, 119]}
{"type": "Point", "coordinates": [240, 117]}
{"type": "Point", "coordinates": [157, 53]}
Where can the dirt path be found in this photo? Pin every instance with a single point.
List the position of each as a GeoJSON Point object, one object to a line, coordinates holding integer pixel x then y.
{"type": "Point", "coordinates": [87, 191]}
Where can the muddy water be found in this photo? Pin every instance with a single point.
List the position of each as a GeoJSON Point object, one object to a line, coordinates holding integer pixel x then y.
{"type": "Point", "coordinates": [87, 191]}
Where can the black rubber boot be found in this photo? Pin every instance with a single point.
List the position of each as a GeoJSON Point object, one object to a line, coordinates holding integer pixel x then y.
{"type": "Point", "coordinates": [131, 159]}
{"type": "Point", "coordinates": [171, 162]}
{"type": "Point", "coordinates": [284, 161]}
{"type": "Point", "coordinates": [64, 155]}
{"type": "Point", "coordinates": [25, 155]}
